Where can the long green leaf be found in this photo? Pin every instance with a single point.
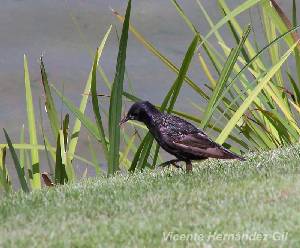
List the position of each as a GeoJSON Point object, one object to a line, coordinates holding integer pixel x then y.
{"type": "Point", "coordinates": [241, 8]}
{"type": "Point", "coordinates": [64, 147]}
{"type": "Point", "coordinates": [236, 26]}
{"type": "Point", "coordinates": [170, 97]}
{"type": "Point", "coordinates": [281, 21]}
{"type": "Point", "coordinates": [270, 31]}
{"type": "Point", "coordinates": [84, 100]}
{"type": "Point", "coordinates": [163, 58]}
{"type": "Point", "coordinates": [90, 126]}
{"type": "Point", "coordinates": [245, 105]}
{"type": "Point", "coordinates": [18, 167]}
{"type": "Point", "coordinates": [183, 71]}
{"type": "Point", "coordinates": [115, 106]}
{"type": "Point", "coordinates": [36, 180]}
{"type": "Point", "coordinates": [49, 104]}
{"type": "Point", "coordinates": [295, 87]}
{"type": "Point", "coordinates": [138, 152]}
{"type": "Point", "coordinates": [211, 52]}
{"type": "Point", "coordinates": [45, 141]}
{"type": "Point", "coordinates": [60, 168]}
{"type": "Point", "coordinates": [22, 151]}
{"type": "Point", "coordinates": [129, 146]}
{"type": "Point", "coordinates": [227, 69]}
{"type": "Point", "coordinates": [4, 178]}
{"type": "Point", "coordinates": [297, 51]}
{"type": "Point", "coordinates": [96, 107]}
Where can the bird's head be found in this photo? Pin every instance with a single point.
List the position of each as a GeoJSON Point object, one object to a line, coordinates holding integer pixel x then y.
{"type": "Point", "coordinates": [139, 111]}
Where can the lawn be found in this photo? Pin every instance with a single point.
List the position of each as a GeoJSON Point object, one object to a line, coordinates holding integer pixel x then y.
{"type": "Point", "coordinates": [221, 204]}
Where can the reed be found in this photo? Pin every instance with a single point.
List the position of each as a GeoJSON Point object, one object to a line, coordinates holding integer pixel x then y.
{"type": "Point", "coordinates": [251, 99]}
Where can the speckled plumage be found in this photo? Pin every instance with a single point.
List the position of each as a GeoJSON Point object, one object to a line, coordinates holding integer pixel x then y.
{"type": "Point", "coordinates": [177, 136]}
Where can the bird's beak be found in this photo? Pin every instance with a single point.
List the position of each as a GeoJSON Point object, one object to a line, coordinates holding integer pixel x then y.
{"type": "Point", "coordinates": [123, 121]}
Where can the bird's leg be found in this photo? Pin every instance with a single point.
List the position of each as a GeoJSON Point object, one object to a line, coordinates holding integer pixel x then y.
{"type": "Point", "coordinates": [189, 166]}
{"type": "Point", "coordinates": [173, 162]}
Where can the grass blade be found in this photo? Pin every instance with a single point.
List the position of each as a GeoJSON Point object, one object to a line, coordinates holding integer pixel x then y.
{"type": "Point", "coordinates": [36, 177]}
{"type": "Point", "coordinates": [140, 149]}
{"type": "Point", "coordinates": [20, 171]}
{"type": "Point", "coordinates": [206, 70]}
{"type": "Point", "coordinates": [115, 106]}
{"type": "Point", "coordinates": [65, 128]}
{"type": "Point", "coordinates": [49, 104]}
{"type": "Point", "coordinates": [84, 100]}
{"type": "Point", "coordinates": [258, 64]}
{"type": "Point", "coordinates": [281, 21]}
{"type": "Point", "coordinates": [182, 72]}
{"type": "Point", "coordinates": [209, 50]}
{"type": "Point", "coordinates": [96, 107]}
{"type": "Point", "coordinates": [297, 51]}
{"type": "Point", "coordinates": [65, 153]}
{"type": "Point", "coordinates": [184, 17]}
{"type": "Point", "coordinates": [241, 8]}
{"type": "Point", "coordinates": [60, 168]}
{"type": "Point", "coordinates": [4, 178]}
{"type": "Point", "coordinates": [129, 146]}
{"type": "Point", "coordinates": [45, 141]}
{"type": "Point", "coordinates": [270, 32]}
{"type": "Point", "coordinates": [90, 126]}
{"type": "Point", "coordinates": [22, 151]}
{"type": "Point", "coordinates": [296, 90]}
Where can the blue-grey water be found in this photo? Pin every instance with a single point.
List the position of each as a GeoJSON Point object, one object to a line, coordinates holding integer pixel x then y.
{"type": "Point", "coordinates": [64, 31]}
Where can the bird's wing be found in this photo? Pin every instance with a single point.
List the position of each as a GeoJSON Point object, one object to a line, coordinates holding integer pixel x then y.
{"type": "Point", "coordinates": [200, 144]}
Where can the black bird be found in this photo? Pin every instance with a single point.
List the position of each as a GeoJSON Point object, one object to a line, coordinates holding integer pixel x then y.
{"type": "Point", "coordinates": [177, 136]}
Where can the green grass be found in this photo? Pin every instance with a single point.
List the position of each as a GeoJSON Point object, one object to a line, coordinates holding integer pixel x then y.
{"type": "Point", "coordinates": [259, 195]}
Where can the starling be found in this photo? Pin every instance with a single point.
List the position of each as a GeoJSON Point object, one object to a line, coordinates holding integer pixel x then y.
{"type": "Point", "coordinates": [177, 136]}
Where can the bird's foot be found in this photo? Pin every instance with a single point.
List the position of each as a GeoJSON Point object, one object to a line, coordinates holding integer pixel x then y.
{"type": "Point", "coordinates": [171, 162]}
{"type": "Point", "coordinates": [177, 166]}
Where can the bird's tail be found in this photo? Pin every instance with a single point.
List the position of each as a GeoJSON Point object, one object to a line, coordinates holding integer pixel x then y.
{"type": "Point", "coordinates": [227, 154]}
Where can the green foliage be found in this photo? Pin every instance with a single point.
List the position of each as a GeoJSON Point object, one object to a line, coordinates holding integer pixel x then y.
{"type": "Point", "coordinates": [251, 102]}
{"type": "Point", "coordinates": [262, 83]}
